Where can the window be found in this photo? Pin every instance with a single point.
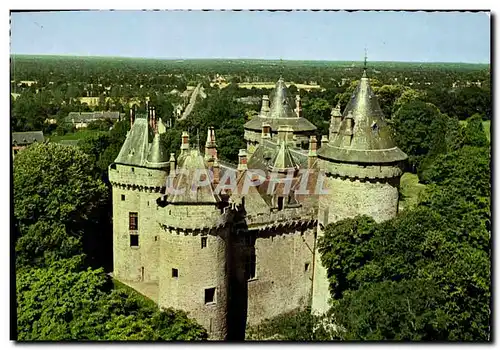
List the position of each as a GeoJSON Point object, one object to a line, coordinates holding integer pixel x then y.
{"type": "Point", "coordinates": [209, 295]}
{"type": "Point", "coordinates": [123, 197]}
{"type": "Point", "coordinates": [250, 266]}
{"type": "Point", "coordinates": [306, 267]}
{"type": "Point", "coordinates": [203, 242]}
{"type": "Point", "coordinates": [133, 221]}
{"type": "Point", "coordinates": [132, 169]}
{"type": "Point", "coordinates": [280, 203]}
{"type": "Point", "coordinates": [175, 273]}
{"type": "Point", "coordinates": [156, 238]}
{"type": "Point", "coordinates": [134, 240]}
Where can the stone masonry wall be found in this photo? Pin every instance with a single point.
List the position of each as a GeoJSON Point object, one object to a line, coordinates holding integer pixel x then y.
{"type": "Point", "coordinates": [135, 263]}
{"type": "Point", "coordinates": [282, 282]}
{"type": "Point", "coordinates": [198, 269]}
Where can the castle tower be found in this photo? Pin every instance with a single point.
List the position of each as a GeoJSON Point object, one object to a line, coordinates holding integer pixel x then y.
{"type": "Point", "coordinates": [138, 175]}
{"type": "Point", "coordinates": [195, 246]}
{"type": "Point", "coordinates": [363, 167]}
{"type": "Point", "coordinates": [278, 109]}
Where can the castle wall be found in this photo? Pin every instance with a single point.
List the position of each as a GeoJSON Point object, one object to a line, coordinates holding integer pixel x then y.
{"type": "Point", "coordinates": [281, 283]}
{"type": "Point", "coordinates": [131, 263]}
{"type": "Point", "coordinates": [371, 193]}
{"type": "Point", "coordinates": [198, 268]}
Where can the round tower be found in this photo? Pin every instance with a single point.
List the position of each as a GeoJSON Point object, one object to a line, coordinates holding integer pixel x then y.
{"type": "Point", "coordinates": [278, 109]}
{"type": "Point", "coordinates": [195, 245]}
{"type": "Point", "coordinates": [362, 167]}
{"type": "Point", "coordinates": [137, 176]}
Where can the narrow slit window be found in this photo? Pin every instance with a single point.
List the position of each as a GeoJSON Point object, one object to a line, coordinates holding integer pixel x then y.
{"type": "Point", "coordinates": [133, 221]}
{"type": "Point", "coordinates": [175, 273]}
{"type": "Point", "coordinates": [209, 295]}
{"type": "Point", "coordinates": [280, 203]}
{"type": "Point", "coordinates": [306, 267]}
{"type": "Point", "coordinates": [203, 242]}
{"type": "Point", "coordinates": [123, 197]}
{"type": "Point", "coordinates": [250, 266]}
{"type": "Point", "coordinates": [134, 240]}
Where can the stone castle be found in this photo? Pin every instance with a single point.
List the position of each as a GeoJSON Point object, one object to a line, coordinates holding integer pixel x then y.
{"type": "Point", "coordinates": [243, 247]}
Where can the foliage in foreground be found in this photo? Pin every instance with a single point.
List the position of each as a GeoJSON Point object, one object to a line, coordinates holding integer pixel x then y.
{"type": "Point", "coordinates": [65, 301]}
{"type": "Point", "coordinates": [424, 275]}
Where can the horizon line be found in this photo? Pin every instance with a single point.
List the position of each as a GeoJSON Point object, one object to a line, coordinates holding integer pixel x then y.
{"type": "Point", "coordinates": [238, 58]}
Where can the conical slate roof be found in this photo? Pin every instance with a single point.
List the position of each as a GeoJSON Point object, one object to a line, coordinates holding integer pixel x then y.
{"type": "Point", "coordinates": [158, 157]}
{"type": "Point", "coordinates": [280, 102]}
{"type": "Point", "coordinates": [280, 113]}
{"type": "Point", "coordinates": [368, 138]}
{"type": "Point", "coordinates": [191, 170]}
{"type": "Point", "coordinates": [282, 161]}
{"type": "Point", "coordinates": [136, 146]}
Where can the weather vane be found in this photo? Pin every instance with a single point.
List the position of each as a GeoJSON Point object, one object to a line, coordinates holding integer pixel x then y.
{"type": "Point", "coordinates": [365, 59]}
{"type": "Point", "coordinates": [281, 67]}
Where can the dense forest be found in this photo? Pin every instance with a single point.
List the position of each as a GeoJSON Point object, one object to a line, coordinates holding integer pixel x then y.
{"type": "Point", "coordinates": [424, 275]}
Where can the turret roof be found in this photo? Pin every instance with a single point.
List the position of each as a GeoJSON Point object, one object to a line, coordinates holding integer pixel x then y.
{"type": "Point", "coordinates": [280, 113]}
{"type": "Point", "coordinates": [371, 140]}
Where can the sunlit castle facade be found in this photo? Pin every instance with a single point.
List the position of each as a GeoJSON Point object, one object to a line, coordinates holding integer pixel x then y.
{"type": "Point", "coordinates": [233, 245]}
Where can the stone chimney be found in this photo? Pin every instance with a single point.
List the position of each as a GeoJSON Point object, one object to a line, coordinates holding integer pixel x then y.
{"type": "Point", "coordinates": [211, 145]}
{"type": "Point", "coordinates": [335, 120]}
{"type": "Point", "coordinates": [266, 131]}
{"type": "Point", "coordinates": [285, 134]}
{"type": "Point", "coordinates": [216, 171]}
{"type": "Point", "coordinates": [242, 160]}
{"type": "Point", "coordinates": [184, 142]}
{"type": "Point", "coordinates": [150, 117]}
{"type": "Point", "coordinates": [172, 164]}
{"type": "Point", "coordinates": [298, 106]}
{"type": "Point", "coordinates": [313, 147]}
{"type": "Point", "coordinates": [324, 140]}
{"type": "Point", "coordinates": [265, 106]}
{"type": "Point", "coordinates": [349, 131]}
{"type": "Point", "coordinates": [132, 117]}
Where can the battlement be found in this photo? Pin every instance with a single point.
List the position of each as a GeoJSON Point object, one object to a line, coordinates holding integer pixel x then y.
{"type": "Point", "coordinates": [137, 178]}
{"type": "Point", "coordinates": [361, 172]}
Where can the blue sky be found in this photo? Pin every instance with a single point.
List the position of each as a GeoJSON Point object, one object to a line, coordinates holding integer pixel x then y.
{"type": "Point", "coordinates": [299, 35]}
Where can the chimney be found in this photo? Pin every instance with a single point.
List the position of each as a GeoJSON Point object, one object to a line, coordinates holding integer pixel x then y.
{"type": "Point", "coordinates": [265, 105]}
{"type": "Point", "coordinates": [216, 171]}
{"type": "Point", "coordinates": [172, 164]}
{"type": "Point", "coordinates": [185, 142]}
{"type": "Point", "coordinates": [324, 140]}
{"type": "Point", "coordinates": [313, 146]}
{"type": "Point", "coordinates": [150, 117]}
{"type": "Point", "coordinates": [210, 145]}
{"type": "Point", "coordinates": [266, 131]}
{"type": "Point", "coordinates": [155, 122]}
{"type": "Point", "coordinates": [298, 106]}
{"type": "Point", "coordinates": [285, 134]}
{"type": "Point", "coordinates": [335, 121]}
{"type": "Point", "coordinates": [349, 132]}
{"type": "Point", "coordinates": [242, 160]}
{"type": "Point", "coordinates": [132, 117]}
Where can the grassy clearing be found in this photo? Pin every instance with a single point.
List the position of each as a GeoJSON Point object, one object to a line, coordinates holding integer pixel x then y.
{"type": "Point", "coordinates": [486, 127]}
{"type": "Point", "coordinates": [77, 135]}
{"type": "Point", "coordinates": [410, 190]}
{"type": "Point", "coordinates": [143, 300]}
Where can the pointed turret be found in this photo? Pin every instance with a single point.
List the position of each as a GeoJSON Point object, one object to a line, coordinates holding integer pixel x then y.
{"type": "Point", "coordinates": [280, 102]}
{"type": "Point", "coordinates": [282, 161]}
{"type": "Point", "coordinates": [363, 135]}
{"type": "Point", "coordinates": [211, 145]}
{"type": "Point", "coordinates": [192, 171]}
{"type": "Point", "coordinates": [158, 155]}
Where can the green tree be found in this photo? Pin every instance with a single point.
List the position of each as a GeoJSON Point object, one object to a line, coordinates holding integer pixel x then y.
{"type": "Point", "coordinates": [56, 197]}
{"type": "Point", "coordinates": [66, 301]}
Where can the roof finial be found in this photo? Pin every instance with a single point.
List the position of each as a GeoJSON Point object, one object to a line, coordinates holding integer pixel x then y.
{"type": "Point", "coordinates": [198, 138]}
{"type": "Point", "coordinates": [366, 56]}
{"type": "Point", "coordinates": [282, 68]}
